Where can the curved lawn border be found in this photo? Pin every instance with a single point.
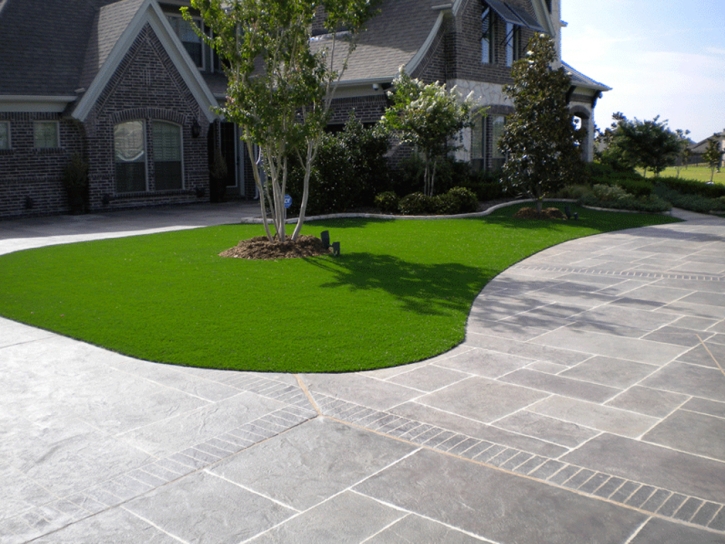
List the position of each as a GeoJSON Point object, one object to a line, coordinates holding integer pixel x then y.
{"type": "Point", "coordinates": [400, 292]}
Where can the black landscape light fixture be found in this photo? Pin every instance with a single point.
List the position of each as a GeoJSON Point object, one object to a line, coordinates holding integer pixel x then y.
{"type": "Point", "coordinates": [325, 237]}
{"type": "Point", "coordinates": [336, 249]}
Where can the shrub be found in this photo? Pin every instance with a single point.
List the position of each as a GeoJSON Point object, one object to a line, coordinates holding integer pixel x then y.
{"type": "Point", "coordinates": [416, 204]}
{"type": "Point", "coordinates": [349, 171]}
{"type": "Point", "coordinates": [575, 192]}
{"type": "Point", "coordinates": [614, 197]}
{"type": "Point", "coordinates": [446, 204]}
{"type": "Point", "coordinates": [692, 202]}
{"type": "Point", "coordinates": [387, 202]}
{"type": "Point", "coordinates": [691, 187]}
{"type": "Point", "coordinates": [467, 200]}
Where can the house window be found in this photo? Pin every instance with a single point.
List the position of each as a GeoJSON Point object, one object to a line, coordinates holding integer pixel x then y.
{"type": "Point", "coordinates": [130, 156]}
{"type": "Point", "coordinates": [513, 43]}
{"type": "Point", "coordinates": [45, 135]}
{"type": "Point", "coordinates": [4, 135]}
{"type": "Point", "coordinates": [488, 41]}
{"type": "Point", "coordinates": [168, 169]}
{"type": "Point", "coordinates": [497, 156]}
{"type": "Point", "coordinates": [189, 39]}
{"type": "Point", "coordinates": [477, 142]}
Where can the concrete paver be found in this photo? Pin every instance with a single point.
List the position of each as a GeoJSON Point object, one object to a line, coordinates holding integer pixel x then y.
{"type": "Point", "coordinates": [586, 405]}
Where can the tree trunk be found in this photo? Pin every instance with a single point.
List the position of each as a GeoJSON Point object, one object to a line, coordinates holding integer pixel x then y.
{"type": "Point", "coordinates": [539, 205]}
{"type": "Point", "coordinates": [261, 190]}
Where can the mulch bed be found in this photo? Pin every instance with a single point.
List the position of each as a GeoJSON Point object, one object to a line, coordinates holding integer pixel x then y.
{"type": "Point", "coordinates": [260, 248]}
{"type": "Point", "coordinates": [546, 213]}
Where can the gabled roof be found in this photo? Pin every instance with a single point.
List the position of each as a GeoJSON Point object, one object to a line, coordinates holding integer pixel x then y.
{"type": "Point", "coordinates": [54, 51]}
{"type": "Point", "coordinates": [108, 26]}
{"type": "Point", "coordinates": [580, 80]}
{"type": "Point", "coordinates": [141, 12]}
{"type": "Point", "coordinates": [43, 44]}
{"type": "Point", "coordinates": [391, 39]}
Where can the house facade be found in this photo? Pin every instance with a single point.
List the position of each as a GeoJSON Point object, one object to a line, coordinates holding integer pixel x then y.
{"type": "Point", "coordinates": [127, 85]}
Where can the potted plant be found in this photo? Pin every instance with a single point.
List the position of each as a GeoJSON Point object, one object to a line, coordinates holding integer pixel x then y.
{"type": "Point", "coordinates": [218, 173]}
{"type": "Point", "coordinates": [75, 181]}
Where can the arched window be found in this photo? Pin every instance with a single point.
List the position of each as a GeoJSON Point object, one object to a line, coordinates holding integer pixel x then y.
{"type": "Point", "coordinates": [129, 143]}
{"type": "Point", "coordinates": [168, 168]}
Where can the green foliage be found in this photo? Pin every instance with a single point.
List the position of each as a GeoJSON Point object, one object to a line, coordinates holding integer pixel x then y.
{"type": "Point", "coordinates": [691, 187]}
{"type": "Point", "coordinates": [75, 174]}
{"type": "Point", "coordinates": [713, 155]}
{"type": "Point", "coordinates": [467, 201]}
{"type": "Point", "coordinates": [416, 204]}
{"type": "Point", "coordinates": [350, 169]}
{"type": "Point", "coordinates": [690, 201]}
{"type": "Point", "coordinates": [649, 145]}
{"type": "Point", "coordinates": [614, 197]}
{"type": "Point", "coordinates": [539, 139]}
{"type": "Point", "coordinates": [387, 202]}
{"type": "Point", "coordinates": [574, 192]}
{"type": "Point", "coordinates": [457, 200]}
{"type": "Point", "coordinates": [427, 117]}
{"type": "Point", "coordinates": [279, 90]}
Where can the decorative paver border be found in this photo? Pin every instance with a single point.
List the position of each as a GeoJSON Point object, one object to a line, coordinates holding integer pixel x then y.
{"type": "Point", "coordinates": [630, 273]}
{"type": "Point", "coordinates": [655, 500]}
{"type": "Point", "coordinates": [125, 487]}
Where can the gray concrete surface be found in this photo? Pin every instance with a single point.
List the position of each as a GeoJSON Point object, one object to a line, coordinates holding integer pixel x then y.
{"type": "Point", "coordinates": [587, 404]}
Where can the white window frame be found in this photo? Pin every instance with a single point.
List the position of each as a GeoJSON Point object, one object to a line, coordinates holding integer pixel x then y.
{"type": "Point", "coordinates": [57, 134]}
{"type": "Point", "coordinates": [199, 21]}
{"type": "Point", "coordinates": [10, 138]}
{"type": "Point", "coordinates": [181, 150]}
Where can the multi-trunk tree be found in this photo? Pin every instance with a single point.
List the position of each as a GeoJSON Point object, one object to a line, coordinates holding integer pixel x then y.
{"type": "Point", "coordinates": [540, 141]}
{"type": "Point", "coordinates": [281, 83]}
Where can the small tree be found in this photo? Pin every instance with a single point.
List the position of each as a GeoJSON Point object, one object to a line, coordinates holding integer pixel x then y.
{"type": "Point", "coordinates": [683, 157]}
{"type": "Point", "coordinates": [541, 144]}
{"type": "Point", "coordinates": [649, 145]}
{"type": "Point", "coordinates": [428, 117]}
{"type": "Point", "coordinates": [279, 90]}
{"type": "Point", "coordinates": [713, 155]}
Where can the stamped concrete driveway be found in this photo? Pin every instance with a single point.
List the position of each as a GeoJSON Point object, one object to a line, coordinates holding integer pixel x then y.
{"type": "Point", "coordinates": [587, 404]}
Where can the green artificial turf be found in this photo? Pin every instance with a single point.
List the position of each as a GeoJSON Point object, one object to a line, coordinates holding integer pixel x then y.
{"type": "Point", "coordinates": [400, 292]}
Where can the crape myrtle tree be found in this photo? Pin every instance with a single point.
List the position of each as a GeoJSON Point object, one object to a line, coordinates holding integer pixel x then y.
{"type": "Point", "coordinates": [649, 145]}
{"type": "Point", "coordinates": [541, 144]}
{"type": "Point", "coordinates": [427, 117]}
{"type": "Point", "coordinates": [279, 87]}
{"type": "Point", "coordinates": [713, 155]}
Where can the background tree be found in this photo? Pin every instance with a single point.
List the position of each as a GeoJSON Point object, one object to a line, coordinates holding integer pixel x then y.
{"type": "Point", "coordinates": [713, 155]}
{"type": "Point", "coordinates": [683, 157]}
{"type": "Point", "coordinates": [279, 89]}
{"type": "Point", "coordinates": [649, 145]}
{"type": "Point", "coordinates": [540, 142]}
{"type": "Point", "coordinates": [428, 117]}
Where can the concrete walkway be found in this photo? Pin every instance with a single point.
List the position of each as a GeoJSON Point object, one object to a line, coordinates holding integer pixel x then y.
{"type": "Point", "coordinates": [586, 405]}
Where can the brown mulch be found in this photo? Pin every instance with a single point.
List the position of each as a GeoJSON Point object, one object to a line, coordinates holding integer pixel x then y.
{"type": "Point", "coordinates": [260, 248]}
{"type": "Point", "coordinates": [546, 213]}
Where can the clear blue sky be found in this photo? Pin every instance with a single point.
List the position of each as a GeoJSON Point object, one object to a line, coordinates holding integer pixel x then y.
{"type": "Point", "coordinates": [662, 57]}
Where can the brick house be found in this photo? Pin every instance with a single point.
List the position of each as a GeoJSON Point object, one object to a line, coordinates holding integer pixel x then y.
{"type": "Point", "coordinates": [127, 85]}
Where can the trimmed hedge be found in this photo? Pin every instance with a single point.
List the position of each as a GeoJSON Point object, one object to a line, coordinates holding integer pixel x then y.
{"type": "Point", "coordinates": [692, 202]}
{"type": "Point", "coordinates": [614, 197]}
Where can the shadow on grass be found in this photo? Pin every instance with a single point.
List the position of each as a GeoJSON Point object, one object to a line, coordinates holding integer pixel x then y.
{"type": "Point", "coordinates": [428, 289]}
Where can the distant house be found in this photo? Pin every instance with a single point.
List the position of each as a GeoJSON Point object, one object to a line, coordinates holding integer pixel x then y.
{"type": "Point", "coordinates": [698, 150]}
{"type": "Point", "coordinates": [129, 86]}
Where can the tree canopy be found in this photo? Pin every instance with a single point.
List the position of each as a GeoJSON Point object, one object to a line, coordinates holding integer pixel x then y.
{"type": "Point", "coordinates": [540, 141]}
{"type": "Point", "coordinates": [427, 116]}
{"type": "Point", "coordinates": [631, 143]}
{"type": "Point", "coordinates": [713, 155]}
{"type": "Point", "coordinates": [279, 88]}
